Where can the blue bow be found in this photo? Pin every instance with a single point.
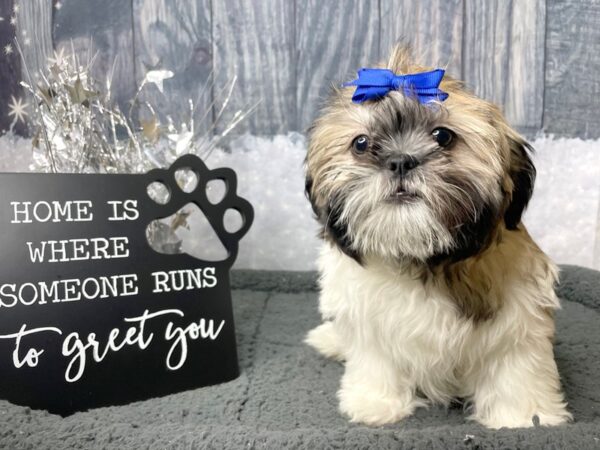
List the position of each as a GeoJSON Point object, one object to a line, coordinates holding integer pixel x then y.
{"type": "Point", "coordinates": [372, 84]}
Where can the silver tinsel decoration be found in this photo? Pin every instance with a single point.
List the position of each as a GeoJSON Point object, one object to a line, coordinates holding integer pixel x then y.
{"type": "Point", "coordinates": [79, 128]}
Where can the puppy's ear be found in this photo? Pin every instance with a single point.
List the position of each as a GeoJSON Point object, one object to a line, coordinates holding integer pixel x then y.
{"type": "Point", "coordinates": [333, 229]}
{"type": "Point", "coordinates": [522, 173]}
{"type": "Point", "coordinates": [308, 182]}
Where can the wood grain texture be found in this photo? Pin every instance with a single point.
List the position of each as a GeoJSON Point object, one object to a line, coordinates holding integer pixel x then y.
{"type": "Point", "coordinates": [433, 28]}
{"type": "Point", "coordinates": [34, 27]}
{"type": "Point", "coordinates": [572, 94]}
{"type": "Point", "coordinates": [503, 56]}
{"type": "Point", "coordinates": [175, 35]}
{"type": "Point", "coordinates": [486, 48]}
{"type": "Point", "coordinates": [332, 43]}
{"type": "Point", "coordinates": [524, 100]}
{"type": "Point", "coordinates": [10, 70]}
{"type": "Point", "coordinates": [254, 40]}
{"type": "Point", "coordinates": [104, 28]}
{"type": "Point", "coordinates": [536, 58]}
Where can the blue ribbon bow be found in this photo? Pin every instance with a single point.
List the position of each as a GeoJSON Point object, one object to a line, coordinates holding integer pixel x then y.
{"type": "Point", "coordinates": [373, 84]}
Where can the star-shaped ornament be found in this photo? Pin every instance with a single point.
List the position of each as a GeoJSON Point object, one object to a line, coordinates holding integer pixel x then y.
{"type": "Point", "coordinates": [180, 220]}
{"type": "Point", "coordinates": [57, 58]}
{"type": "Point", "coordinates": [47, 93]}
{"type": "Point", "coordinates": [157, 77]}
{"type": "Point", "coordinates": [17, 109]}
{"type": "Point", "coordinates": [150, 129]}
{"type": "Point", "coordinates": [79, 94]}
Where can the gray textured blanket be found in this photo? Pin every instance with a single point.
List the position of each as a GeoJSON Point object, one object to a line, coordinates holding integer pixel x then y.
{"type": "Point", "coordinates": [285, 397]}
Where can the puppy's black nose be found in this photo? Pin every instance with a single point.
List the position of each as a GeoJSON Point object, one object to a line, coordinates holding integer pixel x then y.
{"type": "Point", "coordinates": [402, 164]}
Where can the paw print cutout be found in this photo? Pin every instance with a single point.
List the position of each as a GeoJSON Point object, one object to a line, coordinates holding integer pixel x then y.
{"type": "Point", "coordinates": [175, 198]}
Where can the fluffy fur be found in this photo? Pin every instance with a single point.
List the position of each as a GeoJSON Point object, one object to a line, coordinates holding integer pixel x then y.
{"type": "Point", "coordinates": [431, 287]}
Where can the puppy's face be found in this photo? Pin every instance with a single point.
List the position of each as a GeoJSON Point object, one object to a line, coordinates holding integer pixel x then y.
{"type": "Point", "coordinates": [401, 180]}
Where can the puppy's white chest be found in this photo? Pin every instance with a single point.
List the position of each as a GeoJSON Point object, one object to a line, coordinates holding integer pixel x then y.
{"type": "Point", "coordinates": [406, 316]}
{"type": "Point", "coordinates": [392, 313]}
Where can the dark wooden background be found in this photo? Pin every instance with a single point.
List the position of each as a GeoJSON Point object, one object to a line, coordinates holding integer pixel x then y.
{"type": "Point", "coordinates": [539, 59]}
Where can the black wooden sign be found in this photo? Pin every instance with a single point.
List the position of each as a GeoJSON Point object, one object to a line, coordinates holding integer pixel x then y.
{"type": "Point", "coordinates": [90, 314]}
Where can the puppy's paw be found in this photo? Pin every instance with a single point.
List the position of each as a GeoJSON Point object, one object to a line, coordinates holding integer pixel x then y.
{"type": "Point", "coordinates": [557, 418]}
{"type": "Point", "coordinates": [326, 340]}
{"type": "Point", "coordinates": [514, 419]}
{"type": "Point", "coordinates": [373, 408]}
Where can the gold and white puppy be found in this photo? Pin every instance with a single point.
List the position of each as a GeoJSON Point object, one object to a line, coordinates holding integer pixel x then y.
{"type": "Point", "coordinates": [431, 287]}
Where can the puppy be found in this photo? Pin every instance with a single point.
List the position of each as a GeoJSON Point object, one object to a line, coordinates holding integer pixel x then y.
{"type": "Point", "coordinates": [431, 287]}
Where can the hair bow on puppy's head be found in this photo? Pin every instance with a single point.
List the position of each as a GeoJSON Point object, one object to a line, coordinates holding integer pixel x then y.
{"type": "Point", "coordinates": [373, 84]}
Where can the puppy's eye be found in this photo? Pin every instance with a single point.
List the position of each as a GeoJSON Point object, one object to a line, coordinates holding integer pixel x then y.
{"type": "Point", "coordinates": [360, 143]}
{"type": "Point", "coordinates": [443, 136]}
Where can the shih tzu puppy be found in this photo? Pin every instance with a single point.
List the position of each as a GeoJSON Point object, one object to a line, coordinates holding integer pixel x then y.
{"type": "Point", "coordinates": [431, 287]}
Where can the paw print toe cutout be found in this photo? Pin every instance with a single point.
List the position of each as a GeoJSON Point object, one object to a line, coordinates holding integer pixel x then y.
{"type": "Point", "coordinates": [215, 191]}
{"type": "Point", "coordinates": [188, 180]}
{"type": "Point", "coordinates": [232, 220]}
{"type": "Point", "coordinates": [158, 192]}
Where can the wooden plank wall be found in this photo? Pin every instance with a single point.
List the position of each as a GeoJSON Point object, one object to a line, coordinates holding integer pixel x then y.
{"type": "Point", "coordinates": [10, 70]}
{"type": "Point", "coordinates": [176, 35]}
{"type": "Point", "coordinates": [331, 43]}
{"type": "Point", "coordinates": [503, 56]}
{"type": "Point", "coordinates": [538, 59]}
{"type": "Point", "coordinates": [104, 29]}
{"type": "Point", "coordinates": [572, 88]}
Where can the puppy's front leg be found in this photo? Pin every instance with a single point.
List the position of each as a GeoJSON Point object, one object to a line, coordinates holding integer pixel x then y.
{"type": "Point", "coordinates": [515, 386]}
{"type": "Point", "coordinates": [374, 392]}
{"type": "Point", "coordinates": [327, 340]}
